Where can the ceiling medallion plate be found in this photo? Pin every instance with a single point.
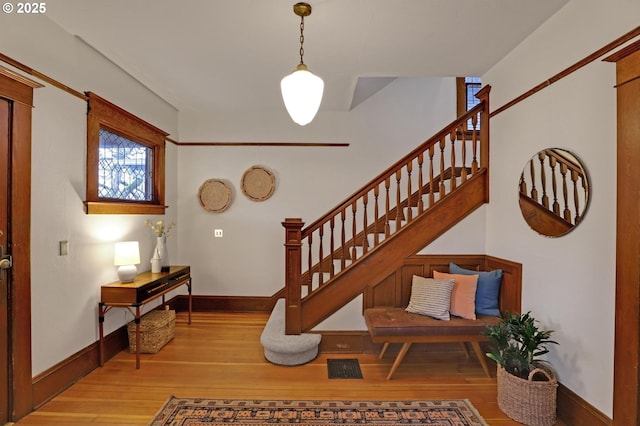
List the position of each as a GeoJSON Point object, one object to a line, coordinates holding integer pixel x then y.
{"type": "Point", "coordinates": [302, 9]}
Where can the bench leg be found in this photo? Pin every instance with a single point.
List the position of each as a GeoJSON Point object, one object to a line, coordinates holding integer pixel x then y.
{"type": "Point", "coordinates": [399, 358]}
{"type": "Point", "coordinates": [465, 349]}
{"type": "Point", "coordinates": [480, 355]}
{"type": "Point", "coordinates": [384, 349]}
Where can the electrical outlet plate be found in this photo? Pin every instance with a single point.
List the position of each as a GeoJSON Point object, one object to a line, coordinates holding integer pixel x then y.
{"type": "Point", "coordinates": [217, 233]}
{"type": "Point", "coordinates": [64, 248]}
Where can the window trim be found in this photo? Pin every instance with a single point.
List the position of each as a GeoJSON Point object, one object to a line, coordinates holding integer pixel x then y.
{"type": "Point", "coordinates": [461, 93]}
{"type": "Point", "coordinates": [103, 114]}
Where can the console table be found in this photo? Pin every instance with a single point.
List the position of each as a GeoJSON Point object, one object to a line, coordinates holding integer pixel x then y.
{"type": "Point", "coordinates": [133, 296]}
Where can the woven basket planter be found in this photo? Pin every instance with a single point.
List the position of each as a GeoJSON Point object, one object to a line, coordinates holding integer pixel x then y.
{"type": "Point", "coordinates": [527, 401]}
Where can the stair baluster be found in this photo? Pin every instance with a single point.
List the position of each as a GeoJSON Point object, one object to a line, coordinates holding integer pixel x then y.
{"type": "Point", "coordinates": [332, 248]}
{"type": "Point", "coordinates": [320, 256]}
{"type": "Point", "coordinates": [463, 175]}
{"type": "Point", "coordinates": [453, 180]}
{"type": "Point", "coordinates": [376, 215]}
{"type": "Point", "coordinates": [387, 227]}
{"type": "Point", "coordinates": [432, 187]}
{"type": "Point", "coordinates": [343, 241]}
{"type": "Point", "coordinates": [474, 146]}
{"type": "Point", "coordinates": [443, 190]}
{"type": "Point", "coordinates": [365, 241]}
{"type": "Point", "coordinates": [420, 184]}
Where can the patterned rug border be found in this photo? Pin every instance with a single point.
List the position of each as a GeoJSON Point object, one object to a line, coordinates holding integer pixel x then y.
{"type": "Point", "coordinates": [258, 412]}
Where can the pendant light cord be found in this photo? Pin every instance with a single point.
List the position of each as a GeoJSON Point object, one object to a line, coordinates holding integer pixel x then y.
{"type": "Point", "coordinates": [301, 39]}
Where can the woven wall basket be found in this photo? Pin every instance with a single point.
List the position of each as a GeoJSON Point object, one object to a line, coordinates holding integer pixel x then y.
{"type": "Point", "coordinates": [258, 183]}
{"type": "Point", "coordinates": [526, 401]}
{"type": "Point", "coordinates": [214, 195]}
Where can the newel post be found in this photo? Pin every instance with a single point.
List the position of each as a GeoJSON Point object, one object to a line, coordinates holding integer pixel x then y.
{"type": "Point", "coordinates": [293, 272]}
{"type": "Point", "coordinates": [483, 96]}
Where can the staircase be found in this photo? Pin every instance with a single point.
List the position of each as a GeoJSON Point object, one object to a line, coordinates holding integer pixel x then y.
{"type": "Point", "coordinates": [406, 207]}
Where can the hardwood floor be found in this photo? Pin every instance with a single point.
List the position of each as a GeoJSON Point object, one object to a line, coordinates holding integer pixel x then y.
{"type": "Point", "coordinates": [219, 356]}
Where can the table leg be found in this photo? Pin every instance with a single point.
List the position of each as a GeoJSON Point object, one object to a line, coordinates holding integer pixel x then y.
{"type": "Point", "coordinates": [137, 320]}
{"type": "Point", "coordinates": [101, 313]}
{"type": "Point", "coordinates": [190, 304]}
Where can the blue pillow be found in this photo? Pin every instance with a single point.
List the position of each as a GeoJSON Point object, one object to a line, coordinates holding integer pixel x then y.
{"type": "Point", "coordinates": [487, 291]}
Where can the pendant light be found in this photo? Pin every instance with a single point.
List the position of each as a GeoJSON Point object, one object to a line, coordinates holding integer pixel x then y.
{"type": "Point", "coordinates": [302, 90]}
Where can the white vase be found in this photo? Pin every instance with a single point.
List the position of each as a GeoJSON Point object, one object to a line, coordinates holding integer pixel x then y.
{"type": "Point", "coordinates": [161, 250]}
{"type": "Point", "coordinates": [155, 262]}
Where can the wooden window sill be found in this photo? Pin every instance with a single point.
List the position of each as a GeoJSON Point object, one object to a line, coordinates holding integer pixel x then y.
{"type": "Point", "coordinates": [98, 207]}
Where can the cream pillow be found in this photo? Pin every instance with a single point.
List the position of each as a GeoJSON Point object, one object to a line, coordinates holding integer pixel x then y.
{"type": "Point", "coordinates": [430, 297]}
{"type": "Point", "coordinates": [463, 295]}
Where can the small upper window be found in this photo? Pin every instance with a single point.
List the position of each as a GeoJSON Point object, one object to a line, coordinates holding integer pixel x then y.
{"type": "Point", "coordinates": [125, 162]}
{"type": "Point", "coordinates": [466, 88]}
{"type": "Point", "coordinates": [472, 85]}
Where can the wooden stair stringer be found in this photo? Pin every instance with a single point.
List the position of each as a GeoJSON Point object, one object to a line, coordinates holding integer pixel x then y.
{"type": "Point", "coordinates": [387, 257]}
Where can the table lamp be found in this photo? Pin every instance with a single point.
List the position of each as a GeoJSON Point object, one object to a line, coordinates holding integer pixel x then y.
{"type": "Point", "coordinates": [126, 257]}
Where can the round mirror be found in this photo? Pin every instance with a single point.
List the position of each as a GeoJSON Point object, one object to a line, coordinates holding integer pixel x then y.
{"type": "Point", "coordinates": [554, 192]}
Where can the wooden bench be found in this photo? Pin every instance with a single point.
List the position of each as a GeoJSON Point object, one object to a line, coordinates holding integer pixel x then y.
{"type": "Point", "coordinates": [395, 325]}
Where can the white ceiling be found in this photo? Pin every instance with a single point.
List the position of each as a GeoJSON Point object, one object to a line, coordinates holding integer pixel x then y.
{"type": "Point", "coordinates": [230, 55]}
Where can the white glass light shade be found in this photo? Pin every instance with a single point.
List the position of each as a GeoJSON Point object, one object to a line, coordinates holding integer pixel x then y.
{"type": "Point", "coordinates": [302, 94]}
{"type": "Point", "coordinates": [126, 255]}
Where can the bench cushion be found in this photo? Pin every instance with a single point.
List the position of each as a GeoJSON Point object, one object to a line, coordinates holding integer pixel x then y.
{"type": "Point", "coordinates": [398, 322]}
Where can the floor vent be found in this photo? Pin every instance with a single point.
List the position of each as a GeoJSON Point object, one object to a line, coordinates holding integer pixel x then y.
{"type": "Point", "coordinates": [344, 369]}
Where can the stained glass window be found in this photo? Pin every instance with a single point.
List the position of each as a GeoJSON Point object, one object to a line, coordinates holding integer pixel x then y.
{"type": "Point", "coordinates": [124, 168]}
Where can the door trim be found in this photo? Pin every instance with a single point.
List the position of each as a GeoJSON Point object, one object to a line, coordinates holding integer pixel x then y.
{"type": "Point", "coordinates": [20, 90]}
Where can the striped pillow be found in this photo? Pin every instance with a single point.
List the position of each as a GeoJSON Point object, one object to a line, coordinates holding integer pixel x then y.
{"type": "Point", "coordinates": [430, 297]}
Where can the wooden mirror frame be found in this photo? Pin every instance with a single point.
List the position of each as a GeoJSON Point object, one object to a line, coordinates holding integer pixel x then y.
{"type": "Point", "coordinates": [553, 192]}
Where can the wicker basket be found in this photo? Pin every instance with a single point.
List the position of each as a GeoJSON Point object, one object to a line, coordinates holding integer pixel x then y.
{"type": "Point", "coordinates": [157, 328]}
{"type": "Point", "coordinates": [526, 401]}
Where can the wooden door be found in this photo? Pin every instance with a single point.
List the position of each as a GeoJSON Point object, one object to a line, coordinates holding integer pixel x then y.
{"type": "Point", "coordinates": [16, 103]}
{"type": "Point", "coordinates": [5, 165]}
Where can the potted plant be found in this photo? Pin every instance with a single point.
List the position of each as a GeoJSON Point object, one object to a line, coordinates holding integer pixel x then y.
{"type": "Point", "coordinates": [527, 387]}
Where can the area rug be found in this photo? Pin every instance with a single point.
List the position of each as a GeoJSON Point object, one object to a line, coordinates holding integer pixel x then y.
{"type": "Point", "coordinates": [198, 411]}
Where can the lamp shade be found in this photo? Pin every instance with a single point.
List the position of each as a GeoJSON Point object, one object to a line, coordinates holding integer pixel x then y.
{"type": "Point", "coordinates": [302, 94]}
{"type": "Point", "coordinates": [126, 255]}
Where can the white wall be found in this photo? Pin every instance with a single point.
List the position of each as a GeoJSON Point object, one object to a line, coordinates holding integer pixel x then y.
{"type": "Point", "coordinates": [66, 289]}
{"type": "Point", "coordinates": [310, 181]}
{"type": "Point", "coordinates": [568, 282]}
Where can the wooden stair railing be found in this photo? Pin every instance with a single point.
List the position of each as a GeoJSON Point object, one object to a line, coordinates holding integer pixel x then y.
{"type": "Point", "coordinates": [392, 204]}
